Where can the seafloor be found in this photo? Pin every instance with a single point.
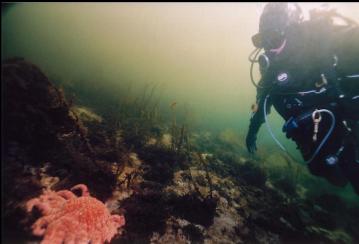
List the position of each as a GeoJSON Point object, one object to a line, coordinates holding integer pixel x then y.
{"type": "Point", "coordinates": [171, 183]}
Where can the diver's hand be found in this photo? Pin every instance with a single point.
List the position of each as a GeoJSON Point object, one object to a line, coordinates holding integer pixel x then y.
{"type": "Point", "coordinates": [251, 143]}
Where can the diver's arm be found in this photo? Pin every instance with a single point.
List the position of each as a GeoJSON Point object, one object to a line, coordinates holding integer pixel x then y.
{"type": "Point", "coordinates": [257, 118]}
{"type": "Point", "coordinates": [256, 121]}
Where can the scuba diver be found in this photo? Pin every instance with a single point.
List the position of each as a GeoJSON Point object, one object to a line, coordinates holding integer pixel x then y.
{"type": "Point", "coordinates": [310, 74]}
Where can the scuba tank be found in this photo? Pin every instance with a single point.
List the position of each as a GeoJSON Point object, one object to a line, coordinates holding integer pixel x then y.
{"type": "Point", "coordinates": [344, 39]}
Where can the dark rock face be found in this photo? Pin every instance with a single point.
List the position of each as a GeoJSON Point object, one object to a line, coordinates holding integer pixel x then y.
{"type": "Point", "coordinates": [193, 233]}
{"type": "Point", "coordinates": [145, 213]}
{"type": "Point", "coordinates": [194, 209]}
{"type": "Point", "coordinates": [38, 120]}
{"type": "Point", "coordinates": [39, 129]}
{"type": "Point", "coordinates": [34, 110]}
{"type": "Point", "coordinates": [161, 163]}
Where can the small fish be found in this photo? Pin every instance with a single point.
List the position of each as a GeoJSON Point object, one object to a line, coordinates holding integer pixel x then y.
{"type": "Point", "coordinates": [254, 107]}
{"type": "Point", "coordinates": [173, 105]}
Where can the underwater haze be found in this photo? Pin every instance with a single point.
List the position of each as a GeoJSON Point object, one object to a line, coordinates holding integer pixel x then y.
{"type": "Point", "coordinates": [197, 53]}
{"type": "Point", "coordinates": [128, 122]}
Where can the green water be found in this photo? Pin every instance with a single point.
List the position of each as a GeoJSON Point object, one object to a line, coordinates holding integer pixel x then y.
{"type": "Point", "coordinates": [197, 53]}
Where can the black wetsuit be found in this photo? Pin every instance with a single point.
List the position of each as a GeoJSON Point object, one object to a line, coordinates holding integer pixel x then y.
{"type": "Point", "coordinates": [305, 77]}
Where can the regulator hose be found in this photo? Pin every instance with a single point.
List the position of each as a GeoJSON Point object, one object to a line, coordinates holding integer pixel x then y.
{"type": "Point", "coordinates": [330, 131]}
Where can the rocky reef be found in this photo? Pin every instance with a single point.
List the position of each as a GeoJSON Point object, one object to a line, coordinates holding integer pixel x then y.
{"type": "Point", "coordinates": [45, 144]}
{"type": "Point", "coordinates": [171, 186]}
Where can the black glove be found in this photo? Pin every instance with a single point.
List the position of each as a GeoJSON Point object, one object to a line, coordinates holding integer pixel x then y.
{"type": "Point", "coordinates": [251, 142]}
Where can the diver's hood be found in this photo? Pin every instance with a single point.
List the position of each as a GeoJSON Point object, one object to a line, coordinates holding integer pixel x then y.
{"type": "Point", "coordinates": [274, 20]}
